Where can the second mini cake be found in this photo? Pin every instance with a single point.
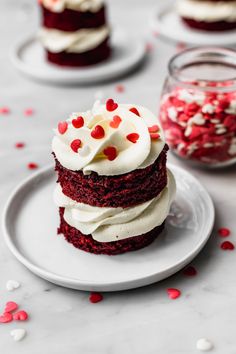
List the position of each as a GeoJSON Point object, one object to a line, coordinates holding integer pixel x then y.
{"type": "Point", "coordinates": [114, 191]}
{"type": "Point", "coordinates": [74, 32]}
{"type": "Point", "coordinates": [208, 15]}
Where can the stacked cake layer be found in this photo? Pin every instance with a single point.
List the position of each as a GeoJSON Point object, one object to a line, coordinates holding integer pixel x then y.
{"type": "Point", "coordinates": [74, 32]}
{"type": "Point", "coordinates": [114, 191]}
{"type": "Point", "coordinates": [209, 15]}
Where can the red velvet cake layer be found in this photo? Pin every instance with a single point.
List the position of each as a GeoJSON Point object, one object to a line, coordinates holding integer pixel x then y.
{"type": "Point", "coordinates": [88, 244]}
{"type": "Point", "coordinates": [91, 57]}
{"type": "Point", "coordinates": [209, 26]}
{"type": "Point", "coordinates": [124, 190]}
{"type": "Point", "coordinates": [70, 20]}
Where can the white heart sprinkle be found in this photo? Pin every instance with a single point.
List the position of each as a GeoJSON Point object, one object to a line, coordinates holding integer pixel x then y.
{"type": "Point", "coordinates": [18, 334]}
{"type": "Point", "coordinates": [12, 285]}
{"type": "Point", "coordinates": [204, 345]}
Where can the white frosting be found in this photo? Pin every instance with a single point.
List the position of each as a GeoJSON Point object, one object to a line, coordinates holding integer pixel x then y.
{"type": "Point", "coordinates": [131, 156]}
{"type": "Point", "coordinates": [208, 11]}
{"type": "Point", "coordinates": [73, 42]}
{"type": "Point", "coordinates": [77, 5]}
{"type": "Point", "coordinates": [113, 224]}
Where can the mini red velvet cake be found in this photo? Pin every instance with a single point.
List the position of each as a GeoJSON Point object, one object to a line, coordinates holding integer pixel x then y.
{"type": "Point", "coordinates": [114, 191]}
{"type": "Point", "coordinates": [74, 33]}
{"type": "Point", "coordinates": [208, 15]}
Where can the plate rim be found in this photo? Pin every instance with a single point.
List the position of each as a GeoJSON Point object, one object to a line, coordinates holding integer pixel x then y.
{"type": "Point", "coordinates": [156, 24]}
{"type": "Point", "coordinates": [132, 63]}
{"type": "Point", "coordinates": [102, 285]}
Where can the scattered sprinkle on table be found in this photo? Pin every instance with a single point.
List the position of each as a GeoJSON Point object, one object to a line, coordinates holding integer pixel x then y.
{"type": "Point", "coordinates": [95, 297]}
{"type": "Point", "coordinates": [32, 165]}
{"type": "Point", "coordinates": [190, 271]}
{"type": "Point", "coordinates": [224, 232]}
{"type": "Point", "coordinates": [173, 293]}
{"type": "Point", "coordinates": [227, 246]}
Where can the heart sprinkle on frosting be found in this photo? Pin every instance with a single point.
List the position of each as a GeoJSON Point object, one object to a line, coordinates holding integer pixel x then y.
{"type": "Point", "coordinates": [133, 137]}
{"type": "Point", "coordinates": [20, 316]}
{"type": "Point", "coordinates": [75, 145]}
{"type": "Point", "coordinates": [153, 129]}
{"type": "Point", "coordinates": [62, 127]}
{"type": "Point", "coordinates": [115, 122]}
{"type": "Point", "coordinates": [98, 132]}
{"type": "Point", "coordinates": [95, 297]}
{"type": "Point", "coordinates": [154, 136]}
{"type": "Point", "coordinates": [135, 111]}
{"type": "Point", "coordinates": [110, 152]}
{"type": "Point", "coordinates": [78, 122]}
{"type": "Point", "coordinates": [111, 105]}
{"type": "Point", "coordinates": [173, 293]}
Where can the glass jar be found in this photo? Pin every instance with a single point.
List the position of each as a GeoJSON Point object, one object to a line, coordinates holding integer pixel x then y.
{"type": "Point", "coordinates": [198, 105]}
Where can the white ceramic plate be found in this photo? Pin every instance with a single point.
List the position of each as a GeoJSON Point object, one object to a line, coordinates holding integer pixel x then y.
{"type": "Point", "coordinates": [29, 58]}
{"type": "Point", "coordinates": [167, 22]}
{"type": "Point", "coordinates": [30, 223]}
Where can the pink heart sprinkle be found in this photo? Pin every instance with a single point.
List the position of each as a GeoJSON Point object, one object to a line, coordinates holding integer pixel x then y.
{"type": "Point", "coordinates": [20, 316]}
{"type": "Point", "coordinates": [173, 293]}
{"type": "Point", "coordinates": [4, 110]}
{"type": "Point", "coordinates": [11, 306]}
{"type": "Point", "coordinates": [6, 317]}
{"type": "Point", "coordinates": [62, 127]}
{"type": "Point", "coordinates": [28, 112]}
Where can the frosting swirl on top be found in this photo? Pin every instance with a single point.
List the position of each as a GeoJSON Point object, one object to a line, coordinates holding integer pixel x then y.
{"type": "Point", "coordinates": [77, 5]}
{"type": "Point", "coordinates": [110, 139]}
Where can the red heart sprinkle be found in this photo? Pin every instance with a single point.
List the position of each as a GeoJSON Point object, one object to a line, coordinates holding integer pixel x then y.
{"type": "Point", "coordinates": [111, 105]}
{"type": "Point", "coordinates": [154, 136]}
{"type": "Point", "coordinates": [95, 297]}
{"type": "Point", "coordinates": [20, 316]}
{"type": "Point", "coordinates": [173, 293]}
{"type": "Point", "coordinates": [227, 245]}
{"type": "Point", "coordinates": [133, 137]}
{"type": "Point", "coordinates": [11, 306]}
{"type": "Point", "coordinates": [115, 122]}
{"type": "Point", "coordinates": [120, 88]}
{"type": "Point", "coordinates": [19, 145]}
{"type": "Point", "coordinates": [28, 112]}
{"type": "Point", "coordinates": [98, 132]}
{"type": "Point", "coordinates": [135, 111]}
{"type": "Point", "coordinates": [190, 271]}
{"type": "Point", "coordinates": [32, 166]}
{"type": "Point", "coordinates": [153, 129]}
{"type": "Point", "coordinates": [78, 122]}
{"type": "Point", "coordinates": [4, 110]}
{"type": "Point", "coordinates": [224, 232]}
{"type": "Point", "coordinates": [75, 145]}
{"type": "Point", "coordinates": [110, 152]}
{"type": "Point", "coordinates": [62, 127]}
{"type": "Point", "coordinates": [6, 317]}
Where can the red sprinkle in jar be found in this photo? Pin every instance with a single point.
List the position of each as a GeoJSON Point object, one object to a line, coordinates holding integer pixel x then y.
{"type": "Point", "coordinates": [198, 106]}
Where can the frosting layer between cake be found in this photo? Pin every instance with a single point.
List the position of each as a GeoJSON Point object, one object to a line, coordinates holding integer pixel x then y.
{"type": "Point", "coordinates": [114, 224]}
{"type": "Point", "coordinates": [111, 141]}
{"type": "Point", "coordinates": [80, 41]}
{"type": "Point", "coordinates": [77, 5]}
{"type": "Point", "coordinates": [207, 11]}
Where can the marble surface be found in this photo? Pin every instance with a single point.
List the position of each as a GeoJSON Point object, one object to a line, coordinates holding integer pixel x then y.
{"type": "Point", "coordinates": [143, 321]}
